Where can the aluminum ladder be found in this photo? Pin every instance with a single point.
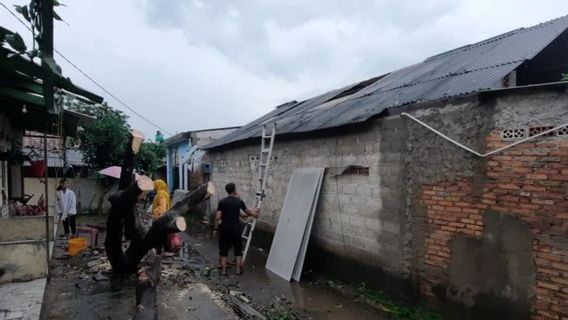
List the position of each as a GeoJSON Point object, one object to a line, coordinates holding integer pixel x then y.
{"type": "Point", "coordinates": [263, 170]}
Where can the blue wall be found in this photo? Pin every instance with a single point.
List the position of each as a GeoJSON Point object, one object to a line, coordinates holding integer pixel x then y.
{"type": "Point", "coordinates": [182, 149]}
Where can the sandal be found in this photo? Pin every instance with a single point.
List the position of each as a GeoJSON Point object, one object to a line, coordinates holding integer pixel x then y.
{"type": "Point", "coordinates": [240, 273]}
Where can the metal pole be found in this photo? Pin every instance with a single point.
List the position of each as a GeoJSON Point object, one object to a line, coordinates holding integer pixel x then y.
{"type": "Point", "coordinates": [46, 190]}
{"type": "Point", "coordinates": [46, 48]}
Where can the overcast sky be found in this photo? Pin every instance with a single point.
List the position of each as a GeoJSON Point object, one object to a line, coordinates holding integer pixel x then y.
{"type": "Point", "coordinates": [196, 64]}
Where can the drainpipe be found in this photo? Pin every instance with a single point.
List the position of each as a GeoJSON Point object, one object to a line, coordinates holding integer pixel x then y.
{"type": "Point", "coordinates": [186, 175]}
{"type": "Point", "coordinates": [180, 171]}
{"type": "Point", "coordinates": [481, 155]}
{"type": "Point", "coordinates": [170, 169]}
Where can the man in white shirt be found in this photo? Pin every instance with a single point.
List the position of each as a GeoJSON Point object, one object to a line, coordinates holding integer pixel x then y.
{"type": "Point", "coordinates": [66, 207]}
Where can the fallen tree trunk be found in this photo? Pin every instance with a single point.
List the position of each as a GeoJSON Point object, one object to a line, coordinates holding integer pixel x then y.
{"type": "Point", "coordinates": [123, 208]}
{"type": "Point", "coordinates": [146, 294]}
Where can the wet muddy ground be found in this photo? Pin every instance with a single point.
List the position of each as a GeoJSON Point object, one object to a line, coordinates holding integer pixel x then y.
{"type": "Point", "coordinates": [312, 298]}
{"type": "Point", "coordinates": [83, 287]}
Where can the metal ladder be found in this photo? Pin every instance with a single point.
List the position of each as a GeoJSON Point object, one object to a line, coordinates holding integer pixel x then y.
{"type": "Point", "coordinates": [263, 170]}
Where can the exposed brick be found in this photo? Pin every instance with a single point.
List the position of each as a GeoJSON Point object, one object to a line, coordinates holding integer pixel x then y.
{"type": "Point", "coordinates": [562, 281]}
{"type": "Point", "coordinates": [509, 186]}
{"type": "Point", "coordinates": [548, 286]}
{"type": "Point", "coordinates": [548, 256]}
{"type": "Point", "coordinates": [547, 314]}
{"type": "Point", "coordinates": [548, 272]}
{"type": "Point", "coordinates": [448, 228]}
{"type": "Point", "coordinates": [457, 224]}
{"type": "Point", "coordinates": [474, 227]}
{"type": "Point", "coordinates": [560, 266]}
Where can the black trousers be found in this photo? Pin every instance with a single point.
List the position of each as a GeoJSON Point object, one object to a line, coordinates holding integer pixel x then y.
{"type": "Point", "coordinates": [70, 222]}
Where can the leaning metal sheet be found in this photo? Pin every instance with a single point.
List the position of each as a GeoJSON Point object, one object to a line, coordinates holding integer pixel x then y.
{"type": "Point", "coordinates": [298, 204]}
{"type": "Point", "coordinates": [304, 246]}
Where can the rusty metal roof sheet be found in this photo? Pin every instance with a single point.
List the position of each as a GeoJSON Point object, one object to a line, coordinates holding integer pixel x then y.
{"type": "Point", "coordinates": [468, 69]}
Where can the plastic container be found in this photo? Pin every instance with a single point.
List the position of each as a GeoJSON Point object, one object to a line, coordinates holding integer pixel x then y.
{"type": "Point", "coordinates": [76, 245]}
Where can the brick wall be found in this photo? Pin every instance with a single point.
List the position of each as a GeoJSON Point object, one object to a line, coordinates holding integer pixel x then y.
{"type": "Point", "coordinates": [529, 182]}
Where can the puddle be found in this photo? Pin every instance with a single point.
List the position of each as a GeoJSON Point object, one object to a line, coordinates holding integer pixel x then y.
{"type": "Point", "coordinates": [312, 297]}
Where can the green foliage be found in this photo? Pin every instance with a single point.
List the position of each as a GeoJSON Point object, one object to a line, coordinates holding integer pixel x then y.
{"type": "Point", "coordinates": [396, 309]}
{"type": "Point", "coordinates": [564, 77]}
{"type": "Point", "coordinates": [278, 312]}
{"type": "Point", "coordinates": [103, 141]}
{"type": "Point", "coordinates": [150, 157]}
{"type": "Point", "coordinates": [23, 10]}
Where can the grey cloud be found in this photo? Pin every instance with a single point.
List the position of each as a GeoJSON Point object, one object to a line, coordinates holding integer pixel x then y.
{"type": "Point", "coordinates": [191, 64]}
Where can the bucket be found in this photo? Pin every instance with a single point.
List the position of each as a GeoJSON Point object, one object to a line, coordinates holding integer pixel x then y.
{"type": "Point", "coordinates": [76, 245]}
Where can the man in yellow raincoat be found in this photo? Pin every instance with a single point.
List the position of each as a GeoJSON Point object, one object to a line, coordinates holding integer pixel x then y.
{"type": "Point", "coordinates": [161, 203]}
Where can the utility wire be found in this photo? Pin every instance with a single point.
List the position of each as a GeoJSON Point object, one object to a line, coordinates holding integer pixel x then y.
{"type": "Point", "coordinates": [90, 78]}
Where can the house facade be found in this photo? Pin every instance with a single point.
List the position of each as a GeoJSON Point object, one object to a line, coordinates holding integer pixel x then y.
{"type": "Point", "coordinates": [446, 180]}
{"type": "Point", "coordinates": [27, 232]}
{"type": "Point", "coordinates": [182, 150]}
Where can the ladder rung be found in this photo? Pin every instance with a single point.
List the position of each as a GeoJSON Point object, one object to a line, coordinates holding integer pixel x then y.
{"type": "Point", "coordinates": [245, 237]}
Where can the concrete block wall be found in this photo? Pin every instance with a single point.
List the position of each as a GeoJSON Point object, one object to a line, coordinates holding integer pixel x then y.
{"type": "Point", "coordinates": [357, 215]}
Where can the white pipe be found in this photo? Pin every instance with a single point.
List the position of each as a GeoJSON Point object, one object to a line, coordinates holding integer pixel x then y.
{"type": "Point", "coordinates": [180, 171]}
{"type": "Point", "coordinates": [186, 176]}
{"type": "Point", "coordinates": [404, 114]}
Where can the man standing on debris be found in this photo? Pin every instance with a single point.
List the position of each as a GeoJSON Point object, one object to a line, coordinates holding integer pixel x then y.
{"type": "Point", "coordinates": [66, 207]}
{"type": "Point", "coordinates": [228, 223]}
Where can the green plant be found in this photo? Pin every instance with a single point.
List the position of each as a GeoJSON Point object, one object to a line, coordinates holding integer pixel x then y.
{"type": "Point", "coordinates": [150, 157]}
{"type": "Point", "coordinates": [396, 309]}
{"type": "Point", "coordinates": [32, 15]}
{"type": "Point", "coordinates": [564, 77]}
{"type": "Point", "coordinates": [102, 141]}
{"type": "Point", "coordinates": [278, 312]}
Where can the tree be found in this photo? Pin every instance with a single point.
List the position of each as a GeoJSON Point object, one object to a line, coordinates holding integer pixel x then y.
{"type": "Point", "coordinates": [103, 141]}
{"type": "Point", "coordinates": [150, 157]}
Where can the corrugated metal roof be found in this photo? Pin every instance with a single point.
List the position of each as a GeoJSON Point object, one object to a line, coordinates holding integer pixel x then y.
{"type": "Point", "coordinates": [464, 70]}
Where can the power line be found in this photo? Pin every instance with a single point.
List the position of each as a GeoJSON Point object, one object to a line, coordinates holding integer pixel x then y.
{"type": "Point", "coordinates": [90, 78]}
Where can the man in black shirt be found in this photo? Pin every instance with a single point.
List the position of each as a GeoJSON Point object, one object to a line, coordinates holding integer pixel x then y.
{"type": "Point", "coordinates": [227, 220]}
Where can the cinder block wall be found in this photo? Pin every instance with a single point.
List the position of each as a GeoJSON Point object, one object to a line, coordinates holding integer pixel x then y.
{"type": "Point", "coordinates": [488, 234]}
{"type": "Point", "coordinates": [355, 218]}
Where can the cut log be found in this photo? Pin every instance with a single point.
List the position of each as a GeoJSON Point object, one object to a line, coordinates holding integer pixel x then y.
{"type": "Point", "coordinates": [123, 208]}
{"type": "Point", "coordinates": [146, 294]}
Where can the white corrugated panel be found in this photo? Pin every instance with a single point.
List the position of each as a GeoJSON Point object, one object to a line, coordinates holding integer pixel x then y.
{"type": "Point", "coordinates": [292, 234]}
